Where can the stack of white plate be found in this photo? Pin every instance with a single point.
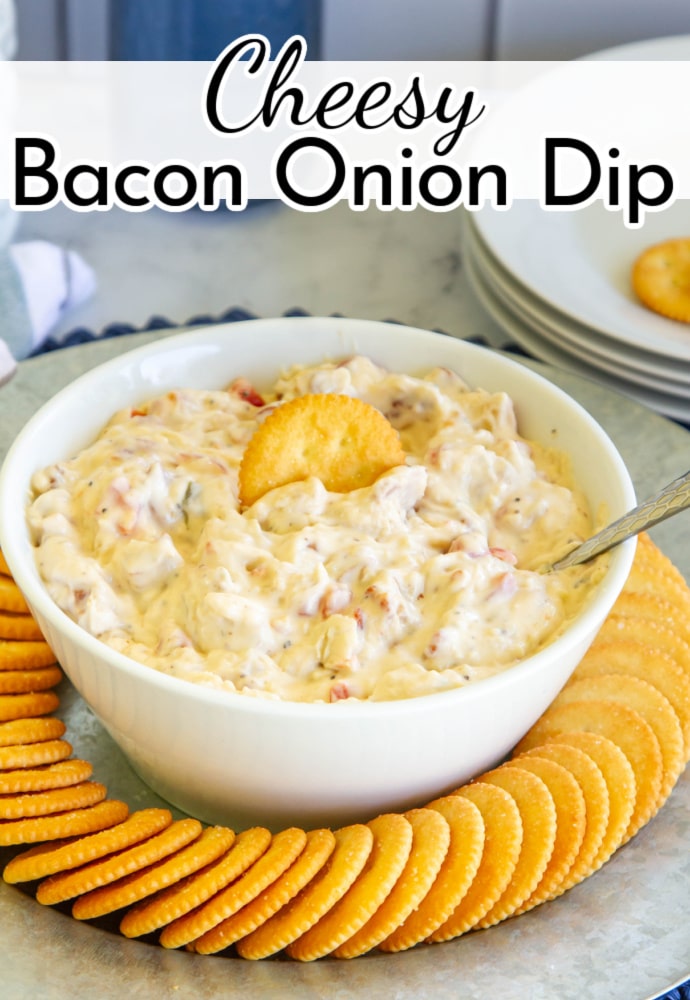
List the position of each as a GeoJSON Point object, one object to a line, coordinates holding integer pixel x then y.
{"type": "Point", "coordinates": [559, 284]}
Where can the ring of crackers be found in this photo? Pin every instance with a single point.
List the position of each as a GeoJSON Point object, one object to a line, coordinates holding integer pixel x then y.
{"type": "Point", "coordinates": [171, 908]}
{"type": "Point", "coordinates": [205, 849]}
{"type": "Point", "coordinates": [597, 765]}
{"type": "Point", "coordinates": [279, 855]}
{"type": "Point", "coordinates": [431, 836]}
{"type": "Point", "coordinates": [619, 779]}
{"type": "Point", "coordinates": [503, 834]}
{"type": "Point", "coordinates": [79, 881]}
{"type": "Point", "coordinates": [392, 842]}
{"type": "Point", "coordinates": [318, 848]}
{"type": "Point", "coordinates": [353, 845]}
{"type": "Point", "coordinates": [661, 278]}
{"type": "Point", "coordinates": [595, 799]}
{"type": "Point", "coordinates": [538, 814]}
{"type": "Point", "coordinates": [571, 817]}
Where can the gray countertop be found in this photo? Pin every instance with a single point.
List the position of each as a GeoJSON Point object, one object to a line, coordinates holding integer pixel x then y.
{"type": "Point", "coordinates": [269, 259]}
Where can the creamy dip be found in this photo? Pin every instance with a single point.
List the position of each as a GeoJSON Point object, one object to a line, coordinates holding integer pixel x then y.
{"type": "Point", "coordinates": [426, 580]}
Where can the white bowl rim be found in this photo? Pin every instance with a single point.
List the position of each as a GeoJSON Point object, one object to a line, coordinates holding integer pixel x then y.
{"type": "Point", "coordinates": [37, 595]}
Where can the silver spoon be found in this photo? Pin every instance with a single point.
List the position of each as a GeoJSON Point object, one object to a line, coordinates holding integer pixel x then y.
{"type": "Point", "coordinates": [668, 501]}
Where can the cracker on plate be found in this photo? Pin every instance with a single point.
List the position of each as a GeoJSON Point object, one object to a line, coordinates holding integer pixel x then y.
{"type": "Point", "coordinates": [661, 278]}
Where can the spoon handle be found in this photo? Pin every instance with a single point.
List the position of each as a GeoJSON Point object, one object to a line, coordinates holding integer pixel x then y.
{"type": "Point", "coordinates": [668, 501]}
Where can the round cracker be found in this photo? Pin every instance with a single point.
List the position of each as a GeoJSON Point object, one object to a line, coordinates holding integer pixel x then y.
{"type": "Point", "coordinates": [650, 703]}
{"type": "Point", "coordinates": [649, 553]}
{"type": "Point", "coordinates": [61, 774]}
{"type": "Point", "coordinates": [19, 626]}
{"type": "Point", "coordinates": [317, 850]}
{"type": "Point", "coordinates": [655, 582]}
{"type": "Point", "coordinates": [430, 842]}
{"type": "Point", "coordinates": [169, 904]}
{"type": "Point", "coordinates": [389, 853]}
{"type": "Point", "coordinates": [618, 774]}
{"type": "Point", "coordinates": [11, 597]}
{"type": "Point", "coordinates": [647, 606]}
{"type": "Point", "coordinates": [626, 656]}
{"type": "Point", "coordinates": [21, 732]}
{"type": "Point", "coordinates": [596, 799]}
{"type": "Point", "coordinates": [623, 726]}
{"type": "Point", "coordinates": [54, 800]}
{"type": "Point", "coordinates": [67, 824]}
{"type": "Point", "coordinates": [46, 859]}
{"type": "Point", "coordinates": [26, 681]}
{"type": "Point", "coordinates": [27, 706]}
{"type": "Point", "coordinates": [284, 848]}
{"type": "Point", "coordinates": [654, 635]}
{"type": "Point", "coordinates": [571, 820]}
{"type": "Point", "coordinates": [502, 842]}
{"type": "Point", "coordinates": [207, 848]}
{"type": "Point", "coordinates": [341, 440]}
{"type": "Point", "coordinates": [76, 882]}
{"type": "Point", "coordinates": [538, 812]}
{"type": "Point", "coordinates": [31, 755]}
{"type": "Point", "coordinates": [25, 654]}
{"type": "Point", "coordinates": [352, 848]}
{"type": "Point", "coordinates": [455, 877]}
{"type": "Point", "coordinates": [661, 278]}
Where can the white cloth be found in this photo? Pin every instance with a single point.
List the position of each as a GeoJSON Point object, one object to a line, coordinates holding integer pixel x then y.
{"type": "Point", "coordinates": [39, 281]}
{"type": "Point", "coordinates": [54, 281]}
{"type": "Point", "coordinates": [8, 45]}
{"type": "Point", "coordinates": [8, 30]}
{"type": "Point", "coordinates": [8, 365]}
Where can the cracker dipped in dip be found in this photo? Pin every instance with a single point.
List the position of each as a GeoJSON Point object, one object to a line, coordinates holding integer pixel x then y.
{"type": "Point", "coordinates": [423, 580]}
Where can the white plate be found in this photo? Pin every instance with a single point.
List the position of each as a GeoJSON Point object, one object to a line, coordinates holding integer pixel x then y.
{"type": "Point", "coordinates": [539, 347]}
{"type": "Point", "coordinates": [597, 351]}
{"type": "Point", "coordinates": [526, 336]}
{"type": "Point", "coordinates": [560, 281]}
{"type": "Point", "coordinates": [639, 359]}
{"type": "Point", "coordinates": [580, 262]}
{"type": "Point", "coordinates": [648, 50]}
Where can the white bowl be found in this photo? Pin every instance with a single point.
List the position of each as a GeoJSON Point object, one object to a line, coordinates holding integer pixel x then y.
{"type": "Point", "coordinates": [227, 758]}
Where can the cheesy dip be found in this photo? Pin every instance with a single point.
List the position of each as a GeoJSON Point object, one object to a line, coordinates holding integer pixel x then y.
{"type": "Point", "coordinates": [426, 580]}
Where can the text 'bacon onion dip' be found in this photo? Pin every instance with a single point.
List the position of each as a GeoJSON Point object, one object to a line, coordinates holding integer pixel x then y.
{"type": "Point", "coordinates": [424, 581]}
